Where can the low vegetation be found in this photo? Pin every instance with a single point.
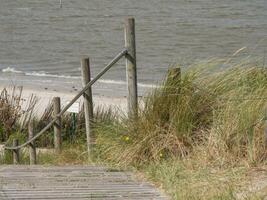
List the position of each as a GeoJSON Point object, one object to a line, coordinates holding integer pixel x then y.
{"type": "Point", "coordinates": [196, 136]}
{"type": "Point", "coordinates": [195, 132]}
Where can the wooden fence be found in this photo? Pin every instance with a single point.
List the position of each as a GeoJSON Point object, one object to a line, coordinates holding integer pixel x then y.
{"type": "Point", "coordinates": [129, 53]}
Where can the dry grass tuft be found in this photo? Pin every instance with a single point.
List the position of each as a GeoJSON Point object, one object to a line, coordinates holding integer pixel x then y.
{"type": "Point", "coordinates": [220, 114]}
{"type": "Point", "coordinates": [14, 112]}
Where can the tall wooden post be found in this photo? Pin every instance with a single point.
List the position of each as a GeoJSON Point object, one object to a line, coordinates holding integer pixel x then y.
{"type": "Point", "coordinates": [15, 152]}
{"type": "Point", "coordinates": [173, 79]}
{"type": "Point", "coordinates": [88, 101]}
{"type": "Point", "coordinates": [57, 124]}
{"type": "Point", "coordinates": [174, 75]}
{"type": "Point", "coordinates": [131, 75]}
{"type": "Point", "coordinates": [32, 149]}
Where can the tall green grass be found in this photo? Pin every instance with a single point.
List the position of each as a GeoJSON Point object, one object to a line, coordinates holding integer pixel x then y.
{"type": "Point", "coordinates": [218, 114]}
{"type": "Point", "coordinates": [196, 134]}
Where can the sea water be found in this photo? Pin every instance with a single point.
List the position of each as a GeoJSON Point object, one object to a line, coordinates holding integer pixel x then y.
{"type": "Point", "coordinates": [41, 42]}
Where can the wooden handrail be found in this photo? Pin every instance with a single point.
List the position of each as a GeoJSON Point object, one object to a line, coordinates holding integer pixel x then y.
{"type": "Point", "coordinates": [105, 69]}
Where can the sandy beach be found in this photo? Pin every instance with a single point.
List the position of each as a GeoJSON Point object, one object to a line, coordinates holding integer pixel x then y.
{"type": "Point", "coordinates": [45, 97]}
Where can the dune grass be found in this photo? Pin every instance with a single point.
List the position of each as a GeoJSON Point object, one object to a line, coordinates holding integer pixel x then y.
{"type": "Point", "coordinates": [213, 119]}
{"type": "Point", "coordinates": [196, 135]}
{"type": "Point", "coordinates": [220, 114]}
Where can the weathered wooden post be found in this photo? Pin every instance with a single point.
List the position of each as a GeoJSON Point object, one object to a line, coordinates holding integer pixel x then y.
{"type": "Point", "coordinates": [15, 152]}
{"type": "Point", "coordinates": [57, 124]}
{"type": "Point", "coordinates": [32, 149]}
{"type": "Point", "coordinates": [174, 75]}
{"type": "Point", "coordinates": [173, 80]}
{"type": "Point", "coordinates": [131, 75]}
{"type": "Point", "coordinates": [87, 96]}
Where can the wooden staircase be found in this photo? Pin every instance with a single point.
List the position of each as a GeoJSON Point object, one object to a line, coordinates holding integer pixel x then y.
{"type": "Point", "coordinates": [30, 182]}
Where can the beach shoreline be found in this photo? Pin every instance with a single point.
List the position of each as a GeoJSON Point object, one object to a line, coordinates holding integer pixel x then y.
{"type": "Point", "coordinates": [45, 97]}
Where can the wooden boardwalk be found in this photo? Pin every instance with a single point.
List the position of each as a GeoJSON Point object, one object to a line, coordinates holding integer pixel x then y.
{"type": "Point", "coordinates": [71, 182]}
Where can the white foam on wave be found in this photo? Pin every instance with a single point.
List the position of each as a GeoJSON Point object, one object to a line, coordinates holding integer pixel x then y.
{"type": "Point", "coordinates": [40, 74]}
{"type": "Point", "coordinates": [44, 74]}
{"type": "Point", "coordinates": [147, 85]}
{"type": "Point", "coordinates": [107, 81]}
{"type": "Point", "coordinates": [11, 70]}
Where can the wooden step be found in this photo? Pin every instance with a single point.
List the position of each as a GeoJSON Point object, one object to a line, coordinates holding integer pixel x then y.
{"type": "Point", "coordinates": [72, 182]}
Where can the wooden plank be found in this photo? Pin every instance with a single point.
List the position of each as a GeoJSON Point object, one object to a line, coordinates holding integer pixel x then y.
{"type": "Point", "coordinates": [71, 182]}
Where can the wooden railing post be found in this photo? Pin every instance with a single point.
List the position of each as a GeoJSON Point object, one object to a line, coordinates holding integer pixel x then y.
{"type": "Point", "coordinates": [32, 149]}
{"type": "Point", "coordinates": [132, 97]}
{"type": "Point", "coordinates": [174, 75]}
{"type": "Point", "coordinates": [57, 124]}
{"type": "Point", "coordinates": [87, 97]}
{"type": "Point", "coordinates": [173, 79]}
{"type": "Point", "coordinates": [15, 152]}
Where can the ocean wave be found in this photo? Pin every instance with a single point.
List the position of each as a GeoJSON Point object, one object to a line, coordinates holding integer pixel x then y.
{"type": "Point", "coordinates": [147, 85]}
{"type": "Point", "coordinates": [44, 74]}
{"type": "Point", "coordinates": [107, 81]}
{"type": "Point", "coordinates": [34, 73]}
{"type": "Point", "coordinates": [11, 70]}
